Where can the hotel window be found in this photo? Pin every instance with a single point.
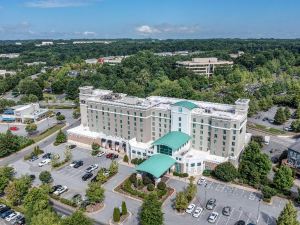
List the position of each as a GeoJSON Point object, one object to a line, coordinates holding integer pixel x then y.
{"type": "Point", "coordinates": [194, 131]}
{"type": "Point", "coordinates": [141, 114]}
{"type": "Point", "coordinates": [232, 149]}
{"type": "Point", "coordinates": [128, 112]}
{"type": "Point", "coordinates": [234, 125]}
{"type": "Point", "coordinates": [153, 113]}
{"type": "Point", "coordinates": [194, 119]}
{"type": "Point", "coordinates": [193, 165]}
{"type": "Point", "coordinates": [159, 114]}
{"type": "Point", "coordinates": [179, 124]}
{"type": "Point", "coordinates": [201, 127]}
{"type": "Point", "coordinates": [179, 118]}
{"type": "Point", "coordinates": [179, 129]}
{"type": "Point", "coordinates": [233, 143]}
{"type": "Point", "coordinates": [133, 151]}
{"type": "Point", "coordinates": [224, 131]}
{"type": "Point", "coordinates": [198, 164]}
{"type": "Point", "coordinates": [233, 138]}
{"type": "Point", "coordinates": [224, 143]}
{"type": "Point", "coordinates": [153, 123]}
{"type": "Point", "coordinates": [179, 109]}
{"type": "Point", "coordinates": [194, 125]}
{"type": "Point", "coordinates": [202, 121]}
{"type": "Point", "coordinates": [234, 132]}
{"type": "Point", "coordinates": [141, 120]}
{"type": "Point", "coordinates": [216, 135]}
{"type": "Point", "coordinates": [224, 137]}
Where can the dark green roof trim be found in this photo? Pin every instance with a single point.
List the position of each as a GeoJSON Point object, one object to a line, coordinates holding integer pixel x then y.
{"type": "Point", "coordinates": [156, 165]}
{"type": "Point", "coordinates": [173, 139]}
{"type": "Point", "coordinates": [186, 104]}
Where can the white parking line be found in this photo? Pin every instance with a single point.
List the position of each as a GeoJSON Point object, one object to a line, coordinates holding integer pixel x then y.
{"type": "Point", "coordinates": [240, 214]}
{"type": "Point", "coordinates": [248, 218]}
{"type": "Point", "coordinates": [230, 216]}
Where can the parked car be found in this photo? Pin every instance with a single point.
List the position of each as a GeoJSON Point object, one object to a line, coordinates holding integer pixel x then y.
{"type": "Point", "coordinates": [112, 156]}
{"type": "Point", "coordinates": [76, 163]}
{"type": "Point", "coordinates": [17, 219]}
{"type": "Point", "coordinates": [60, 190]}
{"type": "Point", "coordinates": [32, 177]}
{"type": "Point", "coordinates": [213, 217]}
{"type": "Point", "coordinates": [197, 211]}
{"type": "Point", "coordinates": [3, 211]}
{"type": "Point", "coordinates": [58, 113]}
{"type": "Point", "coordinates": [44, 162]}
{"type": "Point", "coordinates": [86, 176]}
{"type": "Point", "coordinates": [77, 199]}
{"type": "Point", "coordinates": [6, 213]}
{"type": "Point", "coordinates": [271, 121]}
{"type": "Point", "coordinates": [91, 168]}
{"type": "Point", "coordinates": [72, 146]}
{"type": "Point", "coordinates": [100, 154]}
{"type": "Point", "coordinates": [211, 204]}
{"type": "Point", "coordinates": [33, 158]}
{"type": "Point", "coordinates": [12, 216]}
{"type": "Point", "coordinates": [190, 208]}
{"type": "Point", "coordinates": [201, 181]}
{"type": "Point", "coordinates": [14, 128]}
{"type": "Point", "coordinates": [288, 128]}
{"type": "Point", "coordinates": [240, 222]}
{"type": "Point", "coordinates": [265, 119]}
{"type": "Point", "coordinates": [47, 156]}
{"type": "Point", "coordinates": [226, 211]}
{"type": "Point", "coordinates": [54, 188]}
{"type": "Point", "coordinates": [20, 221]}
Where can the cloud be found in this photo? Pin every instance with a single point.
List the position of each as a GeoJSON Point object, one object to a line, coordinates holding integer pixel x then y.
{"type": "Point", "coordinates": [58, 3]}
{"type": "Point", "coordinates": [22, 28]}
{"type": "Point", "coordinates": [166, 29]}
{"type": "Point", "coordinates": [89, 33]}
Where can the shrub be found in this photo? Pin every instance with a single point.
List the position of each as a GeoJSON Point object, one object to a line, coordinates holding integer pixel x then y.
{"type": "Point", "coordinates": [150, 187]}
{"type": "Point", "coordinates": [45, 177]}
{"type": "Point", "coordinates": [184, 175]}
{"type": "Point", "coordinates": [124, 208]}
{"type": "Point", "coordinates": [95, 146]}
{"type": "Point", "coordinates": [126, 159]}
{"type": "Point", "coordinates": [226, 172]}
{"type": "Point", "coordinates": [268, 192]}
{"type": "Point", "coordinates": [161, 193]}
{"type": "Point", "coordinates": [146, 180]}
{"type": "Point", "coordinates": [175, 174]}
{"type": "Point", "coordinates": [95, 152]}
{"type": "Point", "coordinates": [161, 185]}
{"type": "Point", "coordinates": [116, 215]}
{"type": "Point", "coordinates": [207, 172]}
{"type": "Point", "coordinates": [133, 178]}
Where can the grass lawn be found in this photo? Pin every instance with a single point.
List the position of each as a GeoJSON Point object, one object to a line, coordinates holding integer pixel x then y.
{"type": "Point", "coordinates": [47, 132]}
{"type": "Point", "coordinates": [263, 128]}
{"type": "Point", "coordinates": [61, 107]}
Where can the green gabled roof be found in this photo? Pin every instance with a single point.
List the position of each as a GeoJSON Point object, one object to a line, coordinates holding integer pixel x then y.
{"type": "Point", "coordinates": [156, 165]}
{"type": "Point", "coordinates": [173, 139]}
{"type": "Point", "coordinates": [186, 104]}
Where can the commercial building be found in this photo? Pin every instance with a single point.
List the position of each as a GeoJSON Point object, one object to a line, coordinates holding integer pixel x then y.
{"type": "Point", "coordinates": [203, 66]}
{"type": "Point", "coordinates": [4, 73]}
{"type": "Point", "coordinates": [198, 135]}
{"type": "Point", "coordinates": [35, 63]}
{"type": "Point", "coordinates": [10, 55]}
{"type": "Point", "coordinates": [111, 60]}
{"type": "Point", "coordinates": [293, 159]}
{"type": "Point", "coordinates": [24, 113]}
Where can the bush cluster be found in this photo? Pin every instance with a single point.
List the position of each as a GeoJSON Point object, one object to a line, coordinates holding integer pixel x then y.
{"type": "Point", "coordinates": [180, 174]}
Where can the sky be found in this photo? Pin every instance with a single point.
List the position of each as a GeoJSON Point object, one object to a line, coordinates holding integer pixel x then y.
{"type": "Point", "coordinates": [162, 19]}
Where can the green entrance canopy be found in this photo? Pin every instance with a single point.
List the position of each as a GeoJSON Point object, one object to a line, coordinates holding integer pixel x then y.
{"type": "Point", "coordinates": [173, 139]}
{"type": "Point", "coordinates": [156, 165]}
{"type": "Point", "coordinates": [186, 104]}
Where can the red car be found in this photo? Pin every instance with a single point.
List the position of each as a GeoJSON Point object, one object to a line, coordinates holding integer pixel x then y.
{"type": "Point", "coordinates": [14, 128]}
{"type": "Point", "coordinates": [112, 156]}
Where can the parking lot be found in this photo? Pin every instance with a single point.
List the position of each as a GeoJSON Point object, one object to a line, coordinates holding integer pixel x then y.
{"type": "Point", "coordinates": [245, 205]}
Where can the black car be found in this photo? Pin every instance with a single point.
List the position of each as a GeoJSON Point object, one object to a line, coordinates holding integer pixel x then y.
{"type": "Point", "coordinates": [86, 176]}
{"type": "Point", "coordinates": [54, 188]}
{"type": "Point", "coordinates": [226, 211]}
{"type": "Point", "coordinates": [4, 209]}
{"type": "Point", "coordinates": [211, 204]}
{"type": "Point", "coordinates": [32, 177]}
{"type": "Point", "coordinates": [58, 113]}
{"type": "Point", "coordinates": [240, 222]}
{"type": "Point", "coordinates": [72, 146]}
{"type": "Point", "coordinates": [33, 158]}
{"type": "Point", "coordinates": [78, 164]}
{"type": "Point", "coordinates": [47, 156]}
{"type": "Point", "coordinates": [20, 222]}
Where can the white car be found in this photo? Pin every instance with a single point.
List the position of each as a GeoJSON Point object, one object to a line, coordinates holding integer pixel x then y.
{"type": "Point", "coordinates": [197, 211]}
{"type": "Point", "coordinates": [11, 216]}
{"type": "Point", "coordinates": [190, 208]}
{"type": "Point", "coordinates": [44, 162]}
{"type": "Point", "coordinates": [213, 217]}
{"type": "Point", "coordinates": [91, 168]}
{"type": "Point", "coordinates": [60, 190]}
{"type": "Point", "coordinates": [100, 154]}
{"type": "Point", "coordinates": [201, 181]}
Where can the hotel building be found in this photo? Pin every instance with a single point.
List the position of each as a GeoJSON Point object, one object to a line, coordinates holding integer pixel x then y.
{"type": "Point", "coordinates": [198, 135]}
{"type": "Point", "coordinates": [203, 66]}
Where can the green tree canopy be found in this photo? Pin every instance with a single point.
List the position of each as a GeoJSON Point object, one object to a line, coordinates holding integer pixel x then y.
{"type": "Point", "coordinates": [283, 178]}
{"type": "Point", "coordinates": [226, 172]}
{"type": "Point", "coordinates": [288, 216]}
{"type": "Point", "coordinates": [77, 218]}
{"type": "Point", "coordinates": [95, 192]}
{"type": "Point", "coordinates": [151, 213]}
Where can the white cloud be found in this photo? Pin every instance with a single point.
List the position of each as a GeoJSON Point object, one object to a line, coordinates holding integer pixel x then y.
{"type": "Point", "coordinates": [166, 29]}
{"type": "Point", "coordinates": [58, 3]}
{"type": "Point", "coordinates": [89, 33]}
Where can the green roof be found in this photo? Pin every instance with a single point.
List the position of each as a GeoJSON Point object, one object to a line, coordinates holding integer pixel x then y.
{"type": "Point", "coordinates": [173, 139]}
{"type": "Point", "coordinates": [156, 165]}
{"type": "Point", "coordinates": [186, 104]}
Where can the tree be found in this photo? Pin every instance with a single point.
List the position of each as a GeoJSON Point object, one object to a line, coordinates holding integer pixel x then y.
{"type": "Point", "coordinates": [181, 202]}
{"type": "Point", "coordinates": [268, 192]}
{"type": "Point", "coordinates": [17, 189]}
{"type": "Point", "coordinates": [226, 172]}
{"type": "Point", "coordinates": [45, 217]}
{"type": "Point", "coordinates": [280, 116]}
{"type": "Point", "coordinates": [60, 118]}
{"type": "Point", "coordinates": [113, 168]}
{"type": "Point", "coordinates": [125, 159]}
{"type": "Point", "coordinates": [288, 216]}
{"type": "Point", "coordinates": [297, 113]}
{"type": "Point", "coordinates": [151, 213]}
{"type": "Point", "coordinates": [68, 154]}
{"type": "Point", "coordinates": [60, 138]}
{"type": "Point", "coordinates": [116, 215]}
{"type": "Point", "coordinates": [191, 189]}
{"type": "Point", "coordinates": [283, 178]}
{"type": "Point", "coordinates": [45, 177]}
{"type": "Point", "coordinates": [254, 165]}
{"type": "Point", "coordinates": [95, 192]}
{"type": "Point", "coordinates": [27, 87]}
{"type": "Point", "coordinates": [296, 125]}
{"type": "Point", "coordinates": [30, 128]}
{"type": "Point", "coordinates": [35, 201]}
{"type": "Point", "coordinates": [124, 208]}
{"type": "Point", "coordinates": [95, 146]}
{"type": "Point", "coordinates": [287, 112]}
{"type": "Point", "coordinates": [77, 218]}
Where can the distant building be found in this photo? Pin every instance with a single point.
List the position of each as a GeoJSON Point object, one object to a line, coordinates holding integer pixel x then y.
{"type": "Point", "coordinates": [10, 55]}
{"type": "Point", "coordinates": [182, 53]}
{"type": "Point", "coordinates": [91, 61]}
{"type": "Point", "coordinates": [4, 73]}
{"type": "Point", "coordinates": [91, 42]}
{"type": "Point", "coordinates": [111, 60]}
{"type": "Point", "coordinates": [203, 66]}
{"type": "Point", "coordinates": [73, 73]}
{"type": "Point", "coordinates": [24, 113]}
{"type": "Point", "coordinates": [45, 43]}
{"type": "Point", "coordinates": [236, 55]}
{"type": "Point", "coordinates": [35, 63]}
{"type": "Point", "coordinates": [195, 135]}
{"type": "Point", "coordinates": [18, 43]}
